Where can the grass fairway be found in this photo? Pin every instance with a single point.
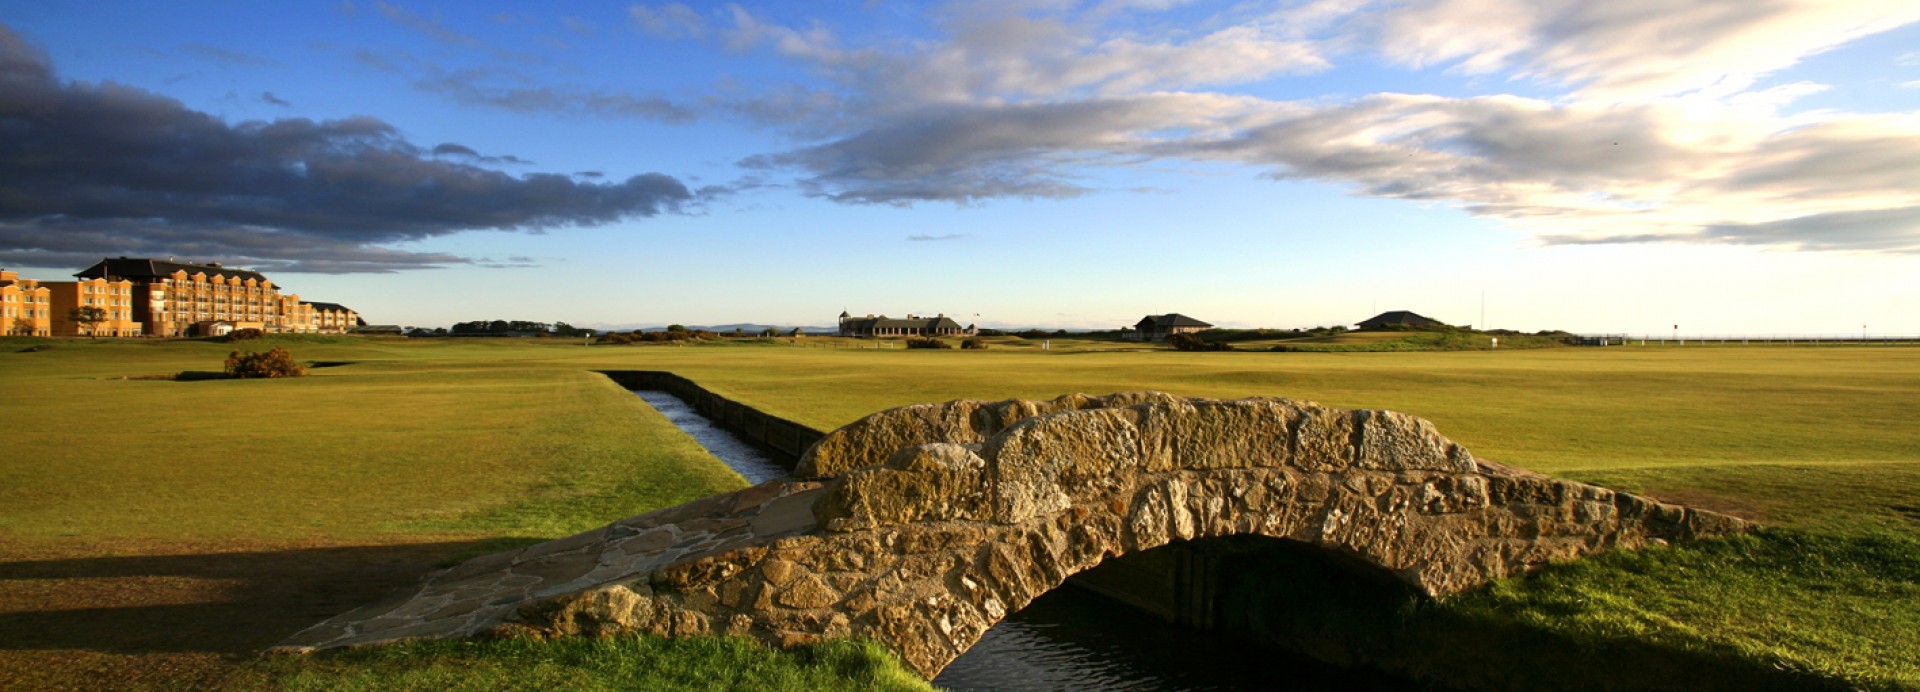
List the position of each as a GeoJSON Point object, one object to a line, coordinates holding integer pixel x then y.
{"type": "Point", "coordinates": [159, 532]}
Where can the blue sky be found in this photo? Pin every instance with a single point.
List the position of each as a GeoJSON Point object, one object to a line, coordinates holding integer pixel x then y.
{"type": "Point", "coordinates": [1731, 167]}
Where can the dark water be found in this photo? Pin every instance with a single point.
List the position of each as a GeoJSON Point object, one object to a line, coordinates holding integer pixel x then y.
{"type": "Point", "coordinates": [1071, 639]}
{"type": "Point", "coordinates": [745, 458]}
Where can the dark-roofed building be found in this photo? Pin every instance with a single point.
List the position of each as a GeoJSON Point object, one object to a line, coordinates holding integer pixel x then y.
{"type": "Point", "coordinates": [1400, 319]}
{"type": "Point", "coordinates": [144, 270]}
{"type": "Point", "coordinates": [170, 297]}
{"type": "Point", "coordinates": [913, 325]}
{"type": "Point", "coordinates": [1159, 327]}
{"type": "Point", "coordinates": [334, 318]}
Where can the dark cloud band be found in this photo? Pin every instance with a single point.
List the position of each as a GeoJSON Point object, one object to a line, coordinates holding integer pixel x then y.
{"type": "Point", "coordinates": [91, 170]}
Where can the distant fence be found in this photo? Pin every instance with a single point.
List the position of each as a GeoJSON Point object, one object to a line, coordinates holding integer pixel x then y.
{"type": "Point", "coordinates": [1746, 339]}
{"type": "Point", "coordinates": [785, 439]}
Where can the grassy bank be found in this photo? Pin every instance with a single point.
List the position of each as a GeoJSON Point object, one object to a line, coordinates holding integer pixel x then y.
{"type": "Point", "coordinates": [1374, 342]}
{"type": "Point", "coordinates": [616, 663]}
{"type": "Point", "coordinates": [159, 532]}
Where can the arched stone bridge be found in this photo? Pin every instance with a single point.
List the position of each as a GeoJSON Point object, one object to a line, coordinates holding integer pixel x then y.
{"type": "Point", "coordinates": [922, 526]}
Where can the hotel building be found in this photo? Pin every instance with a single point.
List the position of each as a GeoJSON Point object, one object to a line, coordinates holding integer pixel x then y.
{"type": "Point", "coordinates": [113, 298]}
{"type": "Point", "coordinates": [169, 298]}
{"type": "Point", "coordinates": [24, 307]}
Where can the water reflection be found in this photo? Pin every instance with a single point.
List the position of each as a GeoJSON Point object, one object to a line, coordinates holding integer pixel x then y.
{"type": "Point", "coordinates": [743, 457]}
{"type": "Point", "coordinates": [1071, 639]}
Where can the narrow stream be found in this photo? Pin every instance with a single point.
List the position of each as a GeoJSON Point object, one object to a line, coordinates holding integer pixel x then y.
{"type": "Point", "coordinates": [745, 458]}
{"type": "Point", "coordinates": [1071, 639]}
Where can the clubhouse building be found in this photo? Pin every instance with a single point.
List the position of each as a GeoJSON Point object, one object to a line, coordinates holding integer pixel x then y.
{"type": "Point", "coordinates": [913, 325]}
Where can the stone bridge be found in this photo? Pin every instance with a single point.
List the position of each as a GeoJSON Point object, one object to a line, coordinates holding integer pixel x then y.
{"type": "Point", "coordinates": [923, 526]}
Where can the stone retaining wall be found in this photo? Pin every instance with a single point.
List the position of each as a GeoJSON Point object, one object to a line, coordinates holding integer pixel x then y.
{"type": "Point", "coordinates": [784, 439]}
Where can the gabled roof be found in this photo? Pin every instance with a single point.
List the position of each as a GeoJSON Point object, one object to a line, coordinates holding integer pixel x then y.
{"type": "Point", "coordinates": [1405, 317]}
{"type": "Point", "coordinates": [335, 307]}
{"type": "Point", "coordinates": [1170, 320]}
{"type": "Point", "coordinates": [146, 269]}
{"type": "Point", "coordinates": [884, 322]}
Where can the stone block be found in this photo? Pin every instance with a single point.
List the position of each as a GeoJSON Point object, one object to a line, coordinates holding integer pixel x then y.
{"type": "Point", "coordinates": [935, 482]}
{"type": "Point", "coordinates": [1041, 464]}
{"type": "Point", "coordinates": [1200, 435]}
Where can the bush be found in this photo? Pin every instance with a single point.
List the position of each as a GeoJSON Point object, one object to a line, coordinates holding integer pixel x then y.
{"type": "Point", "coordinates": [682, 334]}
{"type": "Point", "coordinates": [927, 342]}
{"type": "Point", "coordinates": [1188, 342]}
{"type": "Point", "coordinates": [974, 343]}
{"type": "Point", "coordinates": [248, 334]}
{"type": "Point", "coordinates": [275, 363]}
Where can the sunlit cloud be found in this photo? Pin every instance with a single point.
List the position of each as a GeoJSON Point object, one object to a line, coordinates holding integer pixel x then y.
{"type": "Point", "coordinates": [1659, 132]}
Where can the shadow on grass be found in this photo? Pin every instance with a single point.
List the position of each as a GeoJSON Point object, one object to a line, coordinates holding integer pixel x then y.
{"type": "Point", "coordinates": [229, 603]}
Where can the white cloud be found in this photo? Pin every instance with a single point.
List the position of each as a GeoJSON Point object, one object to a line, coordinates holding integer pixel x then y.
{"type": "Point", "coordinates": [671, 20]}
{"type": "Point", "coordinates": [1657, 136]}
{"type": "Point", "coordinates": [1625, 49]}
{"type": "Point", "coordinates": [999, 52]}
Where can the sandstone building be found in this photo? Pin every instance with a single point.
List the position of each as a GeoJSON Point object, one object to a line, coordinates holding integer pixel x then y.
{"type": "Point", "coordinates": [169, 298]}
{"type": "Point", "coordinates": [114, 298]}
{"type": "Point", "coordinates": [333, 318]}
{"type": "Point", "coordinates": [24, 307]}
{"type": "Point", "coordinates": [913, 325]}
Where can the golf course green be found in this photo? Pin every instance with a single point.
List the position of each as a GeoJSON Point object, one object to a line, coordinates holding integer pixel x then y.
{"type": "Point", "coordinates": [158, 531]}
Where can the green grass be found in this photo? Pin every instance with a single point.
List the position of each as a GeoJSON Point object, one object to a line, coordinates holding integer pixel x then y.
{"type": "Point", "coordinates": [470, 445]}
{"type": "Point", "coordinates": [1414, 341]}
{"type": "Point", "coordinates": [614, 663]}
{"type": "Point", "coordinates": [1838, 607]}
{"type": "Point", "coordinates": [382, 446]}
{"type": "Point", "coordinates": [1780, 609]}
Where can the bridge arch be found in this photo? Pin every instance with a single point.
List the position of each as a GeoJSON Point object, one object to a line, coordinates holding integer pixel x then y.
{"type": "Point", "coordinates": [923, 526]}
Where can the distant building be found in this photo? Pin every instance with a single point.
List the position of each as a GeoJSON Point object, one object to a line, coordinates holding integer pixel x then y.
{"type": "Point", "coordinates": [170, 298]}
{"type": "Point", "coordinates": [24, 307]}
{"type": "Point", "coordinates": [113, 298]}
{"type": "Point", "coordinates": [913, 325]}
{"type": "Point", "coordinates": [213, 328]}
{"type": "Point", "coordinates": [1400, 318]}
{"type": "Point", "coordinates": [1159, 327]}
{"type": "Point", "coordinates": [334, 318]}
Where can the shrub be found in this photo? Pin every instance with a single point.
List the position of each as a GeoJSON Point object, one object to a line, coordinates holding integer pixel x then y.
{"type": "Point", "coordinates": [248, 334]}
{"type": "Point", "coordinates": [275, 363]}
{"type": "Point", "coordinates": [927, 342]}
{"type": "Point", "coordinates": [974, 343]}
{"type": "Point", "coordinates": [1188, 342]}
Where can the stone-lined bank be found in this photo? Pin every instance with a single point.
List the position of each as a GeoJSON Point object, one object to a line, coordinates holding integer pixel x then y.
{"type": "Point", "coordinates": [975, 508]}
{"type": "Point", "coordinates": [785, 439]}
